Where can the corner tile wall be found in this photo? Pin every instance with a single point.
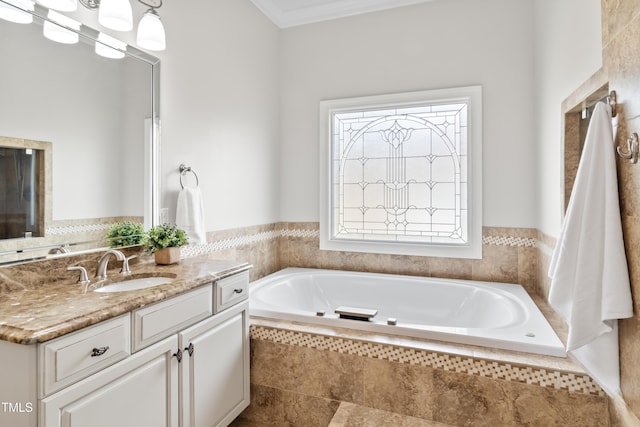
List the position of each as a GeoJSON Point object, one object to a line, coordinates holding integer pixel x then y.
{"type": "Point", "coordinates": [509, 255]}
{"type": "Point", "coordinates": [621, 59]}
{"type": "Point", "coordinates": [286, 366]}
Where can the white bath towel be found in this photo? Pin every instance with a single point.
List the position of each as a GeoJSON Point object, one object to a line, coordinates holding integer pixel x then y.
{"type": "Point", "coordinates": [190, 215]}
{"type": "Point", "coordinates": [590, 281]}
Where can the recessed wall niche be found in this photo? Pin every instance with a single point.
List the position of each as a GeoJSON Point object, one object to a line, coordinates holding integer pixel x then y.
{"type": "Point", "coordinates": [577, 110]}
{"type": "Point", "coordinates": [23, 179]}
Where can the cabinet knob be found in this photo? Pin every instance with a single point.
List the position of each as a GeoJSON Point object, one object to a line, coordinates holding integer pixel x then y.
{"type": "Point", "coordinates": [189, 349]}
{"type": "Point", "coordinates": [178, 355]}
{"type": "Point", "coordinates": [99, 351]}
{"type": "Point", "coordinates": [238, 291]}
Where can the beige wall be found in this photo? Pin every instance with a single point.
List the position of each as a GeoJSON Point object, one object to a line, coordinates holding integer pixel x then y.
{"type": "Point", "coordinates": [219, 108]}
{"type": "Point", "coordinates": [431, 45]}
{"type": "Point", "coordinates": [567, 51]}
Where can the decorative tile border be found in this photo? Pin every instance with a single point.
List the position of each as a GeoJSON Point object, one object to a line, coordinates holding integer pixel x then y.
{"type": "Point", "coordinates": [242, 240]}
{"type": "Point", "coordinates": [301, 232]}
{"type": "Point", "coordinates": [232, 243]}
{"type": "Point", "coordinates": [74, 229]}
{"type": "Point", "coordinates": [526, 242]}
{"type": "Point", "coordinates": [84, 226]}
{"type": "Point", "coordinates": [572, 382]}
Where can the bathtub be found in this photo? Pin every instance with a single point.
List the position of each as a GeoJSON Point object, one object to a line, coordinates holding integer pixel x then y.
{"type": "Point", "coordinates": [494, 315]}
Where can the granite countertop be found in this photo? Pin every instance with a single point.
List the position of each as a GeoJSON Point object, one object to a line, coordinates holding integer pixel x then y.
{"type": "Point", "coordinates": [32, 314]}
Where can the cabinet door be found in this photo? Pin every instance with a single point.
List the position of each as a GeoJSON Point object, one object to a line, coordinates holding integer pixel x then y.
{"type": "Point", "coordinates": [140, 391]}
{"type": "Point", "coordinates": [215, 375]}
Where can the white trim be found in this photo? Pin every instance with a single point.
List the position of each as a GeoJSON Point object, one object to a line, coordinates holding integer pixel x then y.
{"type": "Point", "coordinates": [331, 9]}
{"type": "Point", "coordinates": [470, 94]}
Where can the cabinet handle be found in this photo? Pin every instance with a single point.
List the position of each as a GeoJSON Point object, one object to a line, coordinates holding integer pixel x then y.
{"type": "Point", "coordinates": [178, 355]}
{"type": "Point", "coordinates": [95, 352]}
{"type": "Point", "coordinates": [238, 291]}
{"type": "Point", "coordinates": [189, 349]}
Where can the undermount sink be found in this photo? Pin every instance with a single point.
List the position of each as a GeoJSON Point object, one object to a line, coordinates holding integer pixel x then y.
{"type": "Point", "coordinates": [135, 284]}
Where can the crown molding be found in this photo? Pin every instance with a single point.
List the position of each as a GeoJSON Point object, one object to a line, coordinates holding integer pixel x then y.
{"type": "Point", "coordinates": [317, 11]}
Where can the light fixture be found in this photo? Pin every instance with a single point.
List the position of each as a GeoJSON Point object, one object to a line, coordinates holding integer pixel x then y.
{"type": "Point", "coordinates": [59, 28]}
{"type": "Point", "coordinates": [17, 11]}
{"type": "Point", "coordinates": [151, 31]}
{"type": "Point", "coordinates": [117, 15]}
{"type": "Point", "coordinates": [110, 47]}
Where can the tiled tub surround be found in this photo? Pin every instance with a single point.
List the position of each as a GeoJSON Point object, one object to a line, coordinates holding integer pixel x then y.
{"type": "Point", "coordinates": [297, 381]}
{"type": "Point", "coordinates": [300, 377]}
{"type": "Point", "coordinates": [509, 254]}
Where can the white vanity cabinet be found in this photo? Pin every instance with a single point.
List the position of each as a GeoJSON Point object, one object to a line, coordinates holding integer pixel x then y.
{"type": "Point", "coordinates": [142, 390]}
{"type": "Point", "coordinates": [178, 362]}
{"type": "Point", "coordinates": [215, 369]}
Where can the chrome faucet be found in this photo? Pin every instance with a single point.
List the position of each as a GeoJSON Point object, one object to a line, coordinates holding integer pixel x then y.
{"type": "Point", "coordinates": [59, 250]}
{"type": "Point", "coordinates": [101, 271]}
{"type": "Point", "coordinates": [84, 277]}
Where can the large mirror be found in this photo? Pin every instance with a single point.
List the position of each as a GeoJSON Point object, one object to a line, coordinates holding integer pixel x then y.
{"type": "Point", "coordinates": [97, 115]}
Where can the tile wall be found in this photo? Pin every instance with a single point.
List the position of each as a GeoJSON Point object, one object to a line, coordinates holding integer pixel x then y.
{"type": "Point", "coordinates": [300, 379]}
{"type": "Point", "coordinates": [621, 59]}
{"type": "Point", "coordinates": [286, 372]}
{"type": "Point", "coordinates": [620, 72]}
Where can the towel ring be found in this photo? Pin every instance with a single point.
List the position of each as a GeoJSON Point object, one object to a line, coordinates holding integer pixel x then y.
{"type": "Point", "coordinates": [183, 171]}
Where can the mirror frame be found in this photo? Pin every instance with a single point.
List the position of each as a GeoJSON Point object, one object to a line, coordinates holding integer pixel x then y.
{"type": "Point", "coordinates": [151, 150]}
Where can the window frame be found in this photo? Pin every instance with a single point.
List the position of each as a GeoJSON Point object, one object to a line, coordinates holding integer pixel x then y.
{"type": "Point", "coordinates": [472, 96]}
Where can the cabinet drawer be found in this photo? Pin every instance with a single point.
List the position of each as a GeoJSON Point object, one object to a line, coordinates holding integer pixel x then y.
{"type": "Point", "coordinates": [73, 357]}
{"type": "Point", "coordinates": [231, 290]}
{"type": "Point", "coordinates": [151, 324]}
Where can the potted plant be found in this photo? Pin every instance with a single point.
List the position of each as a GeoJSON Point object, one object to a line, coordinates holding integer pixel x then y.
{"type": "Point", "coordinates": [125, 233]}
{"type": "Point", "coordinates": [164, 242]}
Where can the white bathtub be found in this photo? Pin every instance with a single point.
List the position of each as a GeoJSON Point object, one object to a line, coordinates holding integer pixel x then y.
{"type": "Point", "coordinates": [493, 315]}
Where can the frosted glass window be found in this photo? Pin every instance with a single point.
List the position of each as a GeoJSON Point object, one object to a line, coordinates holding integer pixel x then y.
{"type": "Point", "coordinates": [398, 172]}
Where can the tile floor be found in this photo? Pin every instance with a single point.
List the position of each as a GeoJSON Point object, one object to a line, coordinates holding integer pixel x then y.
{"type": "Point", "coordinates": [352, 415]}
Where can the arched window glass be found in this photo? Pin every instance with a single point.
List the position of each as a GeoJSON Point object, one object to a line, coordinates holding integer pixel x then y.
{"type": "Point", "coordinates": [400, 173]}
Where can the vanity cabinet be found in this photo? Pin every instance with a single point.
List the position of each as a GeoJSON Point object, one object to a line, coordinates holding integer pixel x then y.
{"type": "Point", "coordinates": [215, 369]}
{"type": "Point", "coordinates": [179, 362]}
{"type": "Point", "coordinates": [142, 390]}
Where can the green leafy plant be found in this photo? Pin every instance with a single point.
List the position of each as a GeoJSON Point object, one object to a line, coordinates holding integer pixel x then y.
{"type": "Point", "coordinates": [164, 236]}
{"type": "Point", "coordinates": [125, 233]}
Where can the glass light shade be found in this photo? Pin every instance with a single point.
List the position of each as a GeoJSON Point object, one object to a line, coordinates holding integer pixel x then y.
{"type": "Point", "coordinates": [56, 30]}
{"type": "Point", "coordinates": [17, 13]}
{"type": "Point", "coordinates": [116, 15]}
{"type": "Point", "coordinates": [151, 32]}
{"type": "Point", "coordinates": [61, 5]}
{"type": "Point", "coordinates": [109, 47]}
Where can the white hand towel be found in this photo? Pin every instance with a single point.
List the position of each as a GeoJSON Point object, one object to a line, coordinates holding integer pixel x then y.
{"type": "Point", "coordinates": [590, 285]}
{"type": "Point", "coordinates": [190, 215]}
